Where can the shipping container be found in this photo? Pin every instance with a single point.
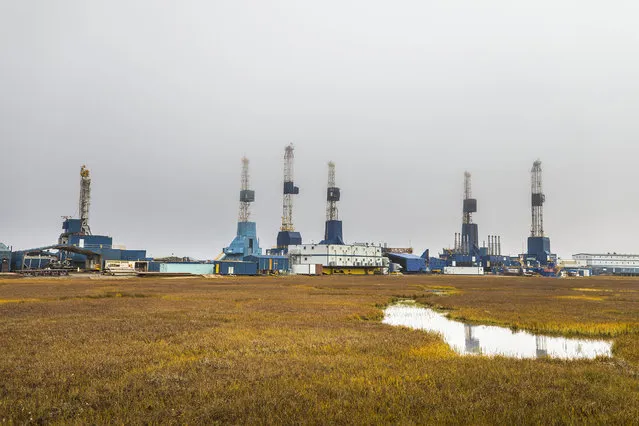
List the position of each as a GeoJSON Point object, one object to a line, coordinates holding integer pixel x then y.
{"type": "Point", "coordinates": [269, 263]}
{"type": "Point", "coordinates": [236, 268]}
{"type": "Point", "coordinates": [464, 270]}
{"type": "Point", "coordinates": [188, 268]}
{"type": "Point", "coordinates": [306, 269]}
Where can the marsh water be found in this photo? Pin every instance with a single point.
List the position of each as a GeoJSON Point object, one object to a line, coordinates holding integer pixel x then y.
{"type": "Point", "coordinates": [469, 339]}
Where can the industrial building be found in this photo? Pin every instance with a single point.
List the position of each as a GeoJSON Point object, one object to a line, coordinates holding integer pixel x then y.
{"type": "Point", "coordinates": [357, 259]}
{"type": "Point", "coordinates": [270, 264]}
{"type": "Point", "coordinates": [235, 268]}
{"type": "Point", "coordinates": [408, 262]}
{"type": "Point", "coordinates": [77, 247]}
{"type": "Point", "coordinates": [609, 263]}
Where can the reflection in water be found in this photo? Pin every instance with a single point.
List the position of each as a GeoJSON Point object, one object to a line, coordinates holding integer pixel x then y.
{"type": "Point", "coordinates": [472, 345]}
{"type": "Point", "coordinates": [490, 340]}
{"type": "Point", "coordinates": [541, 346]}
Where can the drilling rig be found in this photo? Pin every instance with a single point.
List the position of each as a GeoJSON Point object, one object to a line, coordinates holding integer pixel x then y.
{"type": "Point", "coordinates": [85, 200]}
{"type": "Point", "coordinates": [287, 235]}
{"type": "Point", "coordinates": [469, 236]}
{"type": "Point", "coordinates": [537, 201]}
{"type": "Point", "coordinates": [245, 242]}
{"type": "Point", "coordinates": [333, 228]}
{"type": "Point", "coordinates": [538, 243]}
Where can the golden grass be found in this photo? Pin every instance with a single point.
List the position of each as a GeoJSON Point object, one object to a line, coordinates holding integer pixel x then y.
{"type": "Point", "coordinates": [32, 300]}
{"type": "Point", "coordinates": [581, 297]}
{"type": "Point", "coordinates": [303, 350]}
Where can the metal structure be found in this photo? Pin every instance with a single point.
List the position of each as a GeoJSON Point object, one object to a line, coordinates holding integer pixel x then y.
{"type": "Point", "coordinates": [289, 189]}
{"type": "Point", "coordinates": [538, 199]}
{"type": "Point", "coordinates": [494, 245]}
{"type": "Point", "coordinates": [247, 196]}
{"type": "Point", "coordinates": [333, 229]}
{"type": "Point", "coordinates": [333, 194]}
{"type": "Point", "coordinates": [469, 235]}
{"type": "Point", "coordinates": [85, 200]}
{"type": "Point", "coordinates": [538, 243]}
{"type": "Point", "coordinates": [245, 242]}
{"type": "Point", "coordinates": [287, 235]}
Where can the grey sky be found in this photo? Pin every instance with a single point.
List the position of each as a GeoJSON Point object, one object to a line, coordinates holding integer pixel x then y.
{"type": "Point", "coordinates": [161, 100]}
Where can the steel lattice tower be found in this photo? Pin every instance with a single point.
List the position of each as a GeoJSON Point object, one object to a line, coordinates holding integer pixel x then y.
{"type": "Point", "coordinates": [468, 212]}
{"type": "Point", "coordinates": [289, 190]}
{"type": "Point", "coordinates": [538, 199]}
{"type": "Point", "coordinates": [245, 243]}
{"type": "Point", "coordinates": [85, 200]}
{"type": "Point", "coordinates": [333, 230]}
{"type": "Point", "coordinates": [247, 196]}
{"type": "Point", "coordinates": [469, 234]}
{"type": "Point", "coordinates": [333, 194]}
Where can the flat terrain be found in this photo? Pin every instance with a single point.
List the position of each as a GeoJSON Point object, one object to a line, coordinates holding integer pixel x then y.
{"type": "Point", "coordinates": [306, 350]}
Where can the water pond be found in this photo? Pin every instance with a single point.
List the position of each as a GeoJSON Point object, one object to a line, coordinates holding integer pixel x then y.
{"type": "Point", "coordinates": [468, 339]}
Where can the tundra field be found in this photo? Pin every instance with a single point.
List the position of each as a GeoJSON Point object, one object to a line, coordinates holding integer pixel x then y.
{"type": "Point", "coordinates": [306, 350]}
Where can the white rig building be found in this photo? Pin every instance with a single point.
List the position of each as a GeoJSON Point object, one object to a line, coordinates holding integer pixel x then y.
{"type": "Point", "coordinates": [339, 258]}
{"type": "Point", "coordinates": [609, 263]}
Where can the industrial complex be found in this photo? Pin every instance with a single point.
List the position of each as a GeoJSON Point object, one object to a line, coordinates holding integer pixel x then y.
{"type": "Point", "coordinates": [79, 249]}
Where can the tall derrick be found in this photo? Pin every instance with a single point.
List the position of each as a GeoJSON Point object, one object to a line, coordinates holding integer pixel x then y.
{"type": "Point", "coordinates": [333, 228]}
{"type": "Point", "coordinates": [469, 234]}
{"type": "Point", "coordinates": [333, 194]}
{"type": "Point", "coordinates": [247, 196]}
{"type": "Point", "coordinates": [245, 242]}
{"type": "Point", "coordinates": [287, 235]}
{"type": "Point", "coordinates": [85, 200]}
{"type": "Point", "coordinates": [538, 242]}
{"type": "Point", "coordinates": [537, 202]}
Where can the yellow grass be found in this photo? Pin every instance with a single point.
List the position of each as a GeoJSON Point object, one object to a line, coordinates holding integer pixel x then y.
{"type": "Point", "coordinates": [304, 350]}
{"type": "Point", "coordinates": [592, 298]}
{"type": "Point", "coordinates": [18, 300]}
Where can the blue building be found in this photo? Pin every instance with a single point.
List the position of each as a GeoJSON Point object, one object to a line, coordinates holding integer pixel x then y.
{"type": "Point", "coordinates": [410, 263]}
{"type": "Point", "coordinates": [245, 243]}
{"type": "Point", "coordinates": [539, 250]}
{"type": "Point", "coordinates": [269, 264]}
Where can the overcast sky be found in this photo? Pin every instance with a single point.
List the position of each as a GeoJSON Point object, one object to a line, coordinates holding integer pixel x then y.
{"type": "Point", "coordinates": [161, 99]}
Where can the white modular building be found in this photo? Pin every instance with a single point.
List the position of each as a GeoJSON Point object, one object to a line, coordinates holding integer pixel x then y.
{"type": "Point", "coordinates": [337, 258]}
{"type": "Point", "coordinates": [609, 263]}
{"type": "Point", "coordinates": [463, 270]}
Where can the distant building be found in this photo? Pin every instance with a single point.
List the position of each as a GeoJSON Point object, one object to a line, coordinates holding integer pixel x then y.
{"type": "Point", "coordinates": [609, 263]}
{"type": "Point", "coordinates": [340, 258]}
